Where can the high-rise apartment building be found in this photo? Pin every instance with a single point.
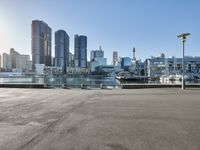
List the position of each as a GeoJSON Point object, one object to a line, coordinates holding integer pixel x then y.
{"type": "Point", "coordinates": [16, 61]}
{"type": "Point", "coordinates": [61, 49]}
{"type": "Point", "coordinates": [6, 61]}
{"type": "Point", "coordinates": [115, 58]}
{"type": "Point", "coordinates": [15, 56]}
{"type": "Point", "coordinates": [80, 51]}
{"type": "Point", "coordinates": [41, 43]}
{"type": "Point", "coordinates": [24, 63]}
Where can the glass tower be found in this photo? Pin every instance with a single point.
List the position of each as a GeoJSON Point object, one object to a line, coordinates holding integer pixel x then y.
{"type": "Point", "coordinates": [41, 43]}
{"type": "Point", "coordinates": [80, 51]}
{"type": "Point", "coordinates": [61, 49]}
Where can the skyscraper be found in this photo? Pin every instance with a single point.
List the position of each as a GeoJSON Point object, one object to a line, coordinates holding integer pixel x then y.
{"type": "Point", "coordinates": [41, 43]}
{"type": "Point", "coordinates": [61, 49]}
{"type": "Point", "coordinates": [80, 51]}
{"type": "Point", "coordinates": [115, 58]}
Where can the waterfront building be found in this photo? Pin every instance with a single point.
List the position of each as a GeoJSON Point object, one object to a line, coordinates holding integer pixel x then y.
{"type": "Point", "coordinates": [158, 66]}
{"type": "Point", "coordinates": [105, 69]}
{"type": "Point", "coordinates": [39, 69]}
{"type": "Point", "coordinates": [115, 58]}
{"type": "Point", "coordinates": [138, 68]}
{"type": "Point", "coordinates": [78, 70]}
{"type": "Point", "coordinates": [61, 49]}
{"type": "Point", "coordinates": [80, 51]}
{"type": "Point", "coordinates": [97, 62]}
{"type": "Point", "coordinates": [53, 70]}
{"type": "Point", "coordinates": [41, 43]}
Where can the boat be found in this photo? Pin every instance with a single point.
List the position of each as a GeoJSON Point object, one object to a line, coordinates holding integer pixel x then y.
{"type": "Point", "coordinates": [127, 76]}
{"type": "Point", "coordinates": [176, 77]}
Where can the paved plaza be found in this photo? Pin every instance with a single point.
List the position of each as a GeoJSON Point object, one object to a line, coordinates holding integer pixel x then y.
{"type": "Point", "coordinates": [75, 119]}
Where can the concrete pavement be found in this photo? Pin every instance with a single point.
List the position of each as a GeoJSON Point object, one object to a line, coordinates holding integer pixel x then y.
{"type": "Point", "coordinates": [62, 119]}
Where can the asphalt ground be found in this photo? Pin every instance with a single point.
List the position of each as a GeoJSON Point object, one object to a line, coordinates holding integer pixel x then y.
{"type": "Point", "coordinates": [64, 119]}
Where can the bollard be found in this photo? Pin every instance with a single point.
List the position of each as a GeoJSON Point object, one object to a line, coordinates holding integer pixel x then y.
{"type": "Point", "coordinates": [101, 86]}
{"type": "Point", "coordinates": [82, 86]}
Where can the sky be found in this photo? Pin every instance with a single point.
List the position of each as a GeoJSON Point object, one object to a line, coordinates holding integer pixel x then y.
{"type": "Point", "coordinates": [151, 26]}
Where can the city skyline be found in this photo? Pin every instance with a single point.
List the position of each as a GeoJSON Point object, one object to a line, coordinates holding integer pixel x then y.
{"type": "Point", "coordinates": [115, 25]}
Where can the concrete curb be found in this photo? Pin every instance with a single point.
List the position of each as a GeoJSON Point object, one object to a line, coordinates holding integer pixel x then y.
{"type": "Point", "coordinates": [142, 86]}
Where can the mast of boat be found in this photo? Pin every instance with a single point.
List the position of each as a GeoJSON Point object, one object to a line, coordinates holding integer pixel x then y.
{"type": "Point", "coordinates": [174, 66]}
{"type": "Point", "coordinates": [165, 66]}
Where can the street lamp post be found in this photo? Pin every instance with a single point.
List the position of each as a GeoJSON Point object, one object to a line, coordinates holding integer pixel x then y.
{"type": "Point", "coordinates": [183, 37]}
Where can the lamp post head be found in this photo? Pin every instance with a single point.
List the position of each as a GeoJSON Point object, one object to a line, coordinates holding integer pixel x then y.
{"type": "Point", "coordinates": [183, 35]}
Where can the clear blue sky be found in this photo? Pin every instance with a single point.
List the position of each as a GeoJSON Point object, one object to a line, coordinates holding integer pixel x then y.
{"type": "Point", "coordinates": [150, 26]}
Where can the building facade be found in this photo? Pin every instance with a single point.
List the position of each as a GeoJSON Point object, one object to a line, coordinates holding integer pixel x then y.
{"type": "Point", "coordinates": [126, 63]}
{"type": "Point", "coordinates": [80, 51]}
{"type": "Point", "coordinates": [24, 63]}
{"type": "Point", "coordinates": [96, 54]}
{"type": "Point", "coordinates": [97, 59]}
{"type": "Point", "coordinates": [158, 66]}
{"type": "Point", "coordinates": [16, 62]}
{"type": "Point", "coordinates": [61, 49]}
{"type": "Point", "coordinates": [6, 62]}
{"type": "Point", "coordinates": [40, 43]}
{"type": "Point", "coordinates": [115, 58]}
{"type": "Point", "coordinates": [15, 58]}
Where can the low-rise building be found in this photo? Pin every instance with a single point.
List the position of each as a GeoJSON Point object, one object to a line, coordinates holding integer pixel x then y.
{"type": "Point", "coordinates": [157, 66]}
{"type": "Point", "coordinates": [77, 70]}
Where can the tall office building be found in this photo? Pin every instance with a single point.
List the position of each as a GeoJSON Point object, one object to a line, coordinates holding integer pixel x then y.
{"type": "Point", "coordinates": [41, 43]}
{"type": "Point", "coordinates": [115, 58]}
{"type": "Point", "coordinates": [96, 54]}
{"type": "Point", "coordinates": [61, 49]}
{"type": "Point", "coordinates": [80, 51]}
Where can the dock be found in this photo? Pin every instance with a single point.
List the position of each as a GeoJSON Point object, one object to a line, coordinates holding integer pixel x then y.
{"type": "Point", "coordinates": [146, 85]}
